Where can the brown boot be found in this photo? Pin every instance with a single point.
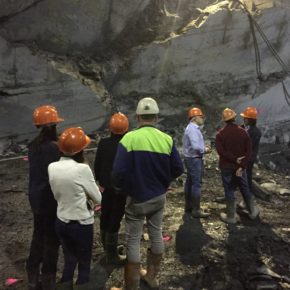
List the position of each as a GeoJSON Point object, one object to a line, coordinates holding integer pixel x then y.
{"type": "Point", "coordinates": [230, 216]}
{"type": "Point", "coordinates": [153, 267]}
{"type": "Point", "coordinates": [132, 277]}
{"type": "Point", "coordinates": [196, 211]}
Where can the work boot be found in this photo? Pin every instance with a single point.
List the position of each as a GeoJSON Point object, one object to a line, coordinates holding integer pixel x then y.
{"type": "Point", "coordinates": [103, 239]}
{"type": "Point", "coordinates": [33, 280]}
{"type": "Point", "coordinates": [153, 267]}
{"type": "Point", "coordinates": [132, 277]}
{"type": "Point", "coordinates": [48, 281]}
{"type": "Point", "coordinates": [230, 216]}
{"type": "Point", "coordinates": [196, 211]}
{"type": "Point", "coordinates": [252, 208]}
{"type": "Point", "coordinates": [112, 256]}
{"type": "Point", "coordinates": [65, 286]}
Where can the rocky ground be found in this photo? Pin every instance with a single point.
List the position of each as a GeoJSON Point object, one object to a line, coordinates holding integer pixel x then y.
{"type": "Point", "coordinates": [202, 254]}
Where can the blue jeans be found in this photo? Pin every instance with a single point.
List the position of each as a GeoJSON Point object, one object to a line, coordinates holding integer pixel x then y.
{"type": "Point", "coordinates": [77, 242]}
{"type": "Point", "coordinates": [193, 181]}
{"type": "Point", "coordinates": [231, 182]}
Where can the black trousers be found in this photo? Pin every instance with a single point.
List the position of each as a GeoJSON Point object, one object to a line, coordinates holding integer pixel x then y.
{"type": "Point", "coordinates": [77, 242]}
{"type": "Point", "coordinates": [113, 209]}
{"type": "Point", "coordinates": [44, 245]}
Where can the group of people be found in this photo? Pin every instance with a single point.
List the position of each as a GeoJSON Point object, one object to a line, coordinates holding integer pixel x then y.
{"type": "Point", "coordinates": [133, 171]}
{"type": "Point", "coordinates": [237, 147]}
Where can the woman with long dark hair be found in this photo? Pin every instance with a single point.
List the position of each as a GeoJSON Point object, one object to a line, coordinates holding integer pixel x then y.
{"type": "Point", "coordinates": [76, 192]}
{"type": "Point", "coordinates": [44, 245]}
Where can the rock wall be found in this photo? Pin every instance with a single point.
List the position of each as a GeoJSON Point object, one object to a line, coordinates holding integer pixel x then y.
{"type": "Point", "coordinates": [91, 57]}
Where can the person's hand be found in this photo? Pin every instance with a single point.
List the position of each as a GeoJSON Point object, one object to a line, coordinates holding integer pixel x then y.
{"type": "Point", "coordinates": [239, 172]}
{"type": "Point", "coordinates": [207, 149]}
{"type": "Point", "coordinates": [239, 159]}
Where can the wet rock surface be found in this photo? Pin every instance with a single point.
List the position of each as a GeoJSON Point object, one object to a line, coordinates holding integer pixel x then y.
{"type": "Point", "coordinates": [202, 254]}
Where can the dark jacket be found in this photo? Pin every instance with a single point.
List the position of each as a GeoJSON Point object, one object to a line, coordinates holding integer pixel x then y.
{"type": "Point", "coordinates": [255, 135]}
{"type": "Point", "coordinates": [40, 195]}
{"type": "Point", "coordinates": [104, 160]}
{"type": "Point", "coordinates": [145, 164]}
{"type": "Point", "coordinates": [232, 142]}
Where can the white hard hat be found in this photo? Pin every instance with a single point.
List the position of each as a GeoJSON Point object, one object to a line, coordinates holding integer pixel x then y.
{"type": "Point", "coordinates": [147, 106]}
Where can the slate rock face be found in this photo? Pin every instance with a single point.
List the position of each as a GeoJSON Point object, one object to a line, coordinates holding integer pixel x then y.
{"type": "Point", "coordinates": [90, 58]}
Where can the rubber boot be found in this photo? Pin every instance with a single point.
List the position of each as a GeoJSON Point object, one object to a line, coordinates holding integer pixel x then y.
{"type": "Point", "coordinates": [132, 277]}
{"type": "Point", "coordinates": [230, 216]}
{"type": "Point", "coordinates": [153, 267]}
{"type": "Point", "coordinates": [33, 280]}
{"type": "Point", "coordinates": [252, 208]}
{"type": "Point", "coordinates": [196, 211]}
{"type": "Point", "coordinates": [112, 256]}
{"type": "Point", "coordinates": [241, 205]}
{"type": "Point", "coordinates": [48, 281]}
{"type": "Point", "coordinates": [65, 286]}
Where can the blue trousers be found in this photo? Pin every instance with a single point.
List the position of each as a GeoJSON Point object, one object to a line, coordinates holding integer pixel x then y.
{"type": "Point", "coordinates": [231, 182]}
{"type": "Point", "coordinates": [193, 181]}
{"type": "Point", "coordinates": [77, 242]}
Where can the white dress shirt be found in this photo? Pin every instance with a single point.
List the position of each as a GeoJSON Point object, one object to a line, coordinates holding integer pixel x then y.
{"type": "Point", "coordinates": [72, 183]}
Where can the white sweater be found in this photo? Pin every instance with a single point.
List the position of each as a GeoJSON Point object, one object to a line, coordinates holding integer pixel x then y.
{"type": "Point", "coordinates": [71, 183]}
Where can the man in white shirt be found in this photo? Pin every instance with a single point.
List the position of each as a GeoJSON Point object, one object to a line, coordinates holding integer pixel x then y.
{"type": "Point", "coordinates": [193, 150]}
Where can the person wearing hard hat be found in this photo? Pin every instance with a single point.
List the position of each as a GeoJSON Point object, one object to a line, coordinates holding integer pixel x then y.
{"type": "Point", "coordinates": [250, 119]}
{"type": "Point", "coordinates": [145, 164]}
{"type": "Point", "coordinates": [233, 145]}
{"type": "Point", "coordinates": [43, 150]}
{"type": "Point", "coordinates": [113, 205]}
{"type": "Point", "coordinates": [76, 192]}
{"type": "Point", "coordinates": [193, 150]}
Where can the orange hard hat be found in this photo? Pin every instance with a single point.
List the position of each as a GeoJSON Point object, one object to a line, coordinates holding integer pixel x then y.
{"type": "Point", "coordinates": [45, 115]}
{"type": "Point", "coordinates": [228, 114]}
{"type": "Point", "coordinates": [119, 124]}
{"type": "Point", "coordinates": [73, 140]}
{"type": "Point", "coordinates": [250, 113]}
{"type": "Point", "coordinates": [194, 112]}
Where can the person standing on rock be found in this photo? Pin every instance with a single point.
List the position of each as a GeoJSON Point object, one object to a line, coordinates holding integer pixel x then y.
{"type": "Point", "coordinates": [193, 150]}
{"type": "Point", "coordinates": [76, 192]}
{"type": "Point", "coordinates": [113, 205]}
{"type": "Point", "coordinates": [145, 164]}
{"type": "Point", "coordinates": [250, 119]}
{"type": "Point", "coordinates": [233, 145]}
{"type": "Point", "coordinates": [44, 247]}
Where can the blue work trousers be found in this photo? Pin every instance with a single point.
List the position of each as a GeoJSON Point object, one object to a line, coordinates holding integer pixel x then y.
{"type": "Point", "coordinates": [231, 182]}
{"type": "Point", "coordinates": [193, 181]}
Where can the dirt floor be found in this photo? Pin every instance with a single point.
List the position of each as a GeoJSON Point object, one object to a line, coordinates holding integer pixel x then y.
{"type": "Point", "coordinates": [202, 254]}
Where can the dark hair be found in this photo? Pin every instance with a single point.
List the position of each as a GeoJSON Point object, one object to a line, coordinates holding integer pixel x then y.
{"type": "Point", "coordinates": [148, 117]}
{"type": "Point", "coordinates": [230, 121]}
{"type": "Point", "coordinates": [252, 122]}
{"type": "Point", "coordinates": [78, 157]}
{"type": "Point", "coordinates": [47, 133]}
